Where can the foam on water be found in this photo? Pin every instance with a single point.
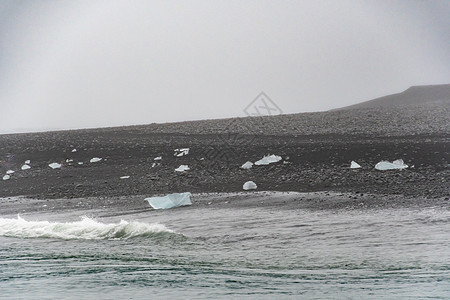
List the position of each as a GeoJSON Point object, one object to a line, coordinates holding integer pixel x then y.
{"type": "Point", "coordinates": [86, 228]}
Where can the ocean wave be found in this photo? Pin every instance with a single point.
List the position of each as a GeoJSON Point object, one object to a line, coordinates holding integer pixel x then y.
{"type": "Point", "coordinates": [86, 229]}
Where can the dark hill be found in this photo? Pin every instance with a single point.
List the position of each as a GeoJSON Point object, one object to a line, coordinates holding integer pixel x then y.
{"type": "Point", "coordinates": [412, 96]}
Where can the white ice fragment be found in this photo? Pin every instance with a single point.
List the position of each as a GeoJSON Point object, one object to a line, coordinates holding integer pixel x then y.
{"type": "Point", "coordinates": [247, 165]}
{"type": "Point", "coordinates": [182, 168]}
{"type": "Point", "coordinates": [354, 165]}
{"type": "Point", "coordinates": [395, 165]}
{"type": "Point", "coordinates": [249, 185]}
{"type": "Point", "coordinates": [157, 158]}
{"type": "Point", "coordinates": [268, 160]}
{"type": "Point", "coordinates": [10, 172]}
{"type": "Point", "coordinates": [25, 167]}
{"type": "Point", "coordinates": [6, 177]}
{"type": "Point", "coordinates": [27, 162]}
{"type": "Point", "coordinates": [181, 152]}
{"type": "Point", "coordinates": [169, 201]}
{"type": "Point", "coordinates": [153, 165]}
{"type": "Point", "coordinates": [95, 159]}
{"type": "Point", "coordinates": [69, 160]}
{"type": "Point", "coordinates": [74, 150]}
{"type": "Point", "coordinates": [124, 177]}
{"type": "Point", "coordinates": [55, 165]}
{"type": "Point", "coordinates": [80, 163]}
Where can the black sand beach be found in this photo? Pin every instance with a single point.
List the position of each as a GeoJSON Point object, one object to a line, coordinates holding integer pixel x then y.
{"type": "Point", "coordinates": [316, 151]}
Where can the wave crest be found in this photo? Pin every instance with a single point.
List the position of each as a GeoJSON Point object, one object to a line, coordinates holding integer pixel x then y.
{"type": "Point", "coordinates": [86, 228]}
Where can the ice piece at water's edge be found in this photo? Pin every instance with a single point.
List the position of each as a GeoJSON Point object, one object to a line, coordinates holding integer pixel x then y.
{"type": "Point", "coordinates": [170, 201]}
{"type": "Point", "coordinates": [249, 185]}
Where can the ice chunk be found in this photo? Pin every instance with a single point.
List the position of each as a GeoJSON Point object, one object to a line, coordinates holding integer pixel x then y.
{"type": "Point", "coordinates": [10, 172]}
{"type": "Point", "coordinates": [27, 162]}
{"type": "Point", "coordinates": [182, 168]}
{"type": "Point", "coordinates": [55, 165]}
{"type": "Point", "coordinates": [395, 165]}
{"type": "Point", "coordinates": [157, 158]}
{"type": "Point", "coordinates": [25, 167]}
{"type": "Point", "coordinates": [171, 200]}
{"type": "Point", "coordinates": [74, 150]}
{"type": "Point", "coordinates": [69, 160]}
{"type": "Point", "coordinates": [354, 165]}
{"type": "Point", "coordinates": [249, 185]}
{"type": "Point", "coordinates": [124, 177]}
{"type": "Point", "coordinates": [95, 159]}
{"type": "Point", "coordinates": [6, 177]}
{"type": "Point", "coordinates": [181, 152]}
{"type": "Point", "coordinates": [268, 160]}
{"type": "Point", "coordinates": [247, 165]}
{"type": "Point", "coordinates": [80, 163]}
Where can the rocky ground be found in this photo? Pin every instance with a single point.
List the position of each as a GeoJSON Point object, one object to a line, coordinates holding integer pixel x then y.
{"type": "Point", "coordinates": [316, 148]}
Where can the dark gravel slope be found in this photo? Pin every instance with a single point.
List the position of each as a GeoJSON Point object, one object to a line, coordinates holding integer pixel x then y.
{"type": "Point", "coordinates": [316, 149]}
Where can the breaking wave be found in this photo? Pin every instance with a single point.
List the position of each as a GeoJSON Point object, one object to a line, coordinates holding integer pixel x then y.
{"type": "Point", "coordinates": [86, 229]}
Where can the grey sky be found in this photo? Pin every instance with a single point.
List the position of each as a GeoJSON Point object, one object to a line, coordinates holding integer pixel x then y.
{"type": "Point", "coordinates": [78, 64]}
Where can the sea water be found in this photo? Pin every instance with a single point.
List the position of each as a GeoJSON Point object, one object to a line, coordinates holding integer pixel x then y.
{"type": "Point", "coordinates": [233, 252]}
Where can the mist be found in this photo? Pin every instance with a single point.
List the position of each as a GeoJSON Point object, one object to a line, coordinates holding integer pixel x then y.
{"type": "Point", "coordinates": [83, 64]}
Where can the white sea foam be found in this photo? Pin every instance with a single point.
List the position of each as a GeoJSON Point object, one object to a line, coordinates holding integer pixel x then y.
{"type": "Point", "coordinates": [86, 229]}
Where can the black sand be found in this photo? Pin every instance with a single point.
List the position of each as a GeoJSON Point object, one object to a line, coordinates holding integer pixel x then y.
{"type": "Point", "coordinates": [316, 148]}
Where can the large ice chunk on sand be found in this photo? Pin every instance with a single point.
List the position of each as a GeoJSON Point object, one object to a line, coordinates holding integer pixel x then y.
{"type": "Point", "coordinates": [95, 159]}
{"type": "Point", "coordinates": [10, 172]}
{"type": "Point", "coordinates": [354, 165]}
{"type": "Point", "coordinates": [395, 165]}
{"type": "Point", "coordinates": [247, 165]}
{"type": "Point", "coordinates": [182, 168]}
{"type": "Point", "coordinates": [169, 201]}
{"type": "Point", "coordinates": [25, 167]}
{"type": "Point", "coordinates": [181, 152]}
{"type": "Point", "coordinates": [268, 160]}
{"type": "Point", "coordinates": [6, 177]}
{"type": "Point", "coordinates": [55, 165]}
{"type": "Point", "coordinates": [249, 185]}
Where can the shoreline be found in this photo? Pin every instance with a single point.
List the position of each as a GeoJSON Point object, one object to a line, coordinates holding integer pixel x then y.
{"type": "Point", "coordinates": [134, 205]}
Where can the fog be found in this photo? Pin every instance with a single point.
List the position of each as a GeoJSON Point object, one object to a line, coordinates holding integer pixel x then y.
{"type": "Point", "coordinates": [81, 64]}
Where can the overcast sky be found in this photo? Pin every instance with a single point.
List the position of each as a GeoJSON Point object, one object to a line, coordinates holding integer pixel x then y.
{"type": "Point", "coordinates": [80, 64]}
